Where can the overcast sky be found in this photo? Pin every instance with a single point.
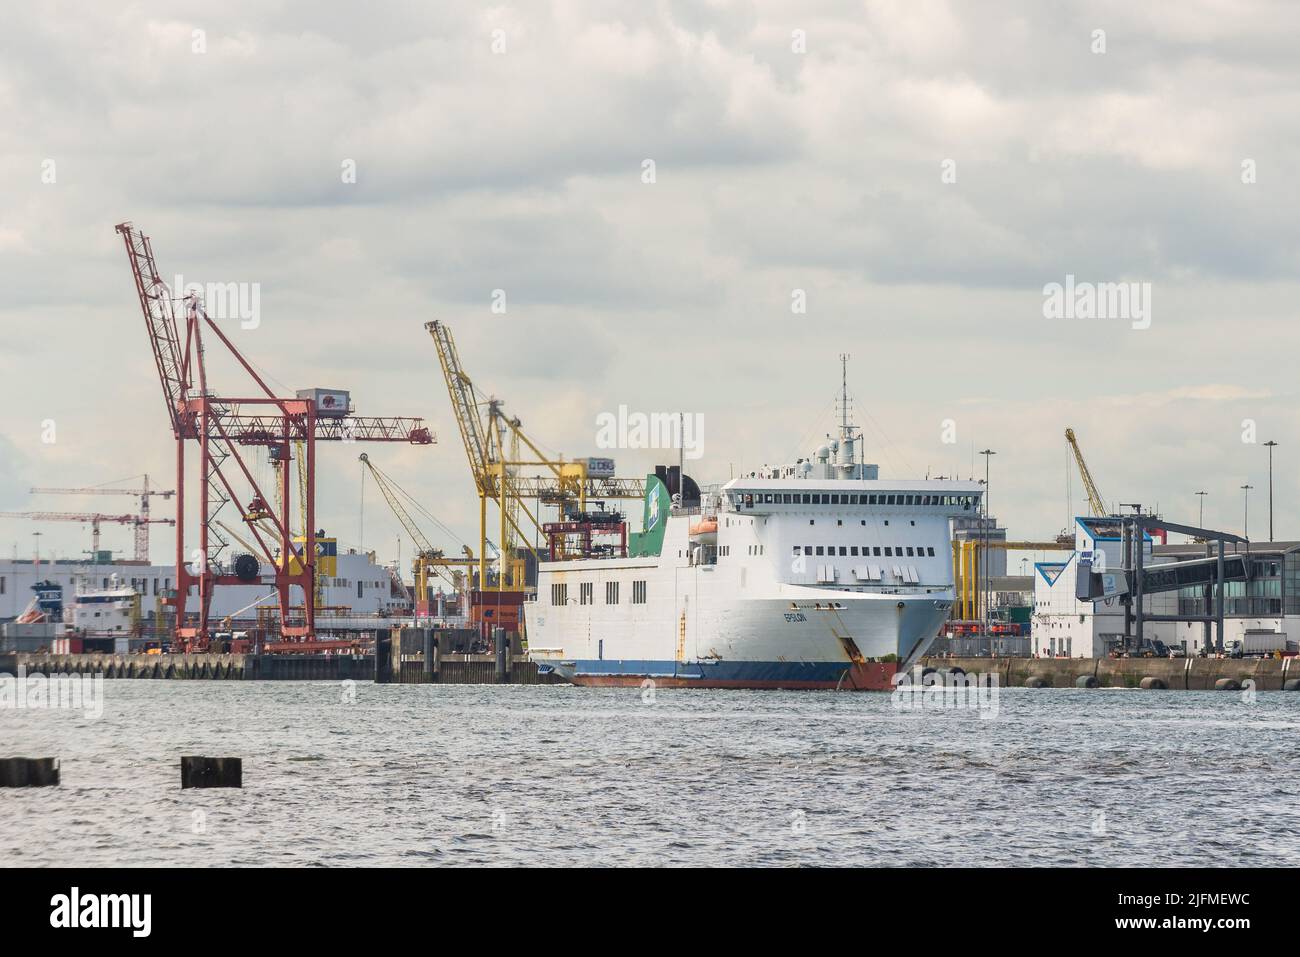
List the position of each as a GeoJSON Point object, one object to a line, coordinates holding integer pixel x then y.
{"type": "Point", "coordinates": [920, 170]}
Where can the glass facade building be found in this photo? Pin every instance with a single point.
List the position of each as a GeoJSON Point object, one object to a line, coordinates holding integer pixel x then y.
{"type": "Point", "coordinates": [1272, 591]}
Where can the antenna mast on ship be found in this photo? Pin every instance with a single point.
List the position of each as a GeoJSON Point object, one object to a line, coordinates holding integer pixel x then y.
{"type": "Point", "coordinates": [846, 430]}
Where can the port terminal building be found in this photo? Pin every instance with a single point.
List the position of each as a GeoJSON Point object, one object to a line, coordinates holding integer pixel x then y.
{"type": "Point", "coordinates": [1267, 604]}
{"type": "Point", "coordinates": [357, 589]}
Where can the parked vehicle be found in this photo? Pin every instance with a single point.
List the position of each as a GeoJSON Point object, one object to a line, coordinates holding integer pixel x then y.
{"type": "Point", "coordinates": [1262, 644]}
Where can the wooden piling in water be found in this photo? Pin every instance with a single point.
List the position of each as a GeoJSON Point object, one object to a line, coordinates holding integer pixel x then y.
{"type": "Point", "coordinates": [384, 655]}
{"type": "Point", "coordinates": [430, 653]}
{"type": "Point", "coordinates": [29, 772]}
{"type": "Point", "coordinates": [203, 772]}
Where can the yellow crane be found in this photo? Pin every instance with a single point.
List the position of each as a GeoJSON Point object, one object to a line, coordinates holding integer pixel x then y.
{"type": "Point", "coordinates": [1095, 504]}
{"type": "Point", "coordinates": [427, 558]}
{"type": "Point", "coordinates": [494, 443]}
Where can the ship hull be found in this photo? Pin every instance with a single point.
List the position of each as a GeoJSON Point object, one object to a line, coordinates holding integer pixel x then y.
{"type": "Point", "coordinates": [752, 675]}
{"type": "Point", "coordinates": [848, 643]}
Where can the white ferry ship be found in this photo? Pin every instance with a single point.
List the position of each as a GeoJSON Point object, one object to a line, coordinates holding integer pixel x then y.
{"type": "Point", "coordinates": [818, 574]}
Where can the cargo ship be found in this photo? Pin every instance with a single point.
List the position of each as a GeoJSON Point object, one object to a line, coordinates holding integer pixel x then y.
{"type": "Point", "coordinates": [819, 574]}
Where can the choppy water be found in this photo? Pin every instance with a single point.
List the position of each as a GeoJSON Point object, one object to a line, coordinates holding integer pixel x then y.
{"type": "Point", "coordinates": [554, 775]}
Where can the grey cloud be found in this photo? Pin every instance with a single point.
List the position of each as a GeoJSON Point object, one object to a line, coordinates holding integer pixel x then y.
{"type": "Point", "coordinates": [775, 171]}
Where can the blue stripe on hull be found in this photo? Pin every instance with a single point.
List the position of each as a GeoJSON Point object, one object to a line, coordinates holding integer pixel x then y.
{"type": "Point", "coordinates": [830, 671]}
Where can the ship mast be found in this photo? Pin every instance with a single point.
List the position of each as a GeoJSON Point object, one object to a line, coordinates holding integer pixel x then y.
{"type": "Point", "coordinates": [844, 395]}
{"type": "Point", "coordinates": [846, 430]}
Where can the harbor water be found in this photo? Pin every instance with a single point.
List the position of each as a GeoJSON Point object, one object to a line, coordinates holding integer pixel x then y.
{"type": "Point", "coordinates": [361, 774]}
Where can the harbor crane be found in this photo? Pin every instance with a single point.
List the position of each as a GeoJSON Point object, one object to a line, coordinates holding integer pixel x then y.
{"type": "Point", "coordinates": [493, 442]}
{"type": "Point", "coordinates": [427, 558]}
{"type": "Point", "coordinates": [144, 493]}
{"type": "Point", "coordinates": [1095, 503]}
{"type": "Point", "coordinates": [95, 519]}
{"type": "Point", "coordinates": [221, 426]}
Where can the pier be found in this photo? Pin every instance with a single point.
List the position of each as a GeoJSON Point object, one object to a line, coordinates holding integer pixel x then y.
{"type": "Point", "coordinates": [453, 669]}
{"type": "Point", "coordinates": [1177, 674]}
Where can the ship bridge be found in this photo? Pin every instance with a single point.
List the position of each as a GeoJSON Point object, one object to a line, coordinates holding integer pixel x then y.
{"type": "Point", "coordinates": [769, 495]}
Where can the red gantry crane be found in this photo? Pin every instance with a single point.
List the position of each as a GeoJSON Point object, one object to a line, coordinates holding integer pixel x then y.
{"type": "Point", "coordinates": [220, 427]}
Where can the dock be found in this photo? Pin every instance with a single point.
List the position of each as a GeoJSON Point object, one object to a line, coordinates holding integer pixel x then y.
{"type": "Point", "coordinates": [1177, 674]}
{"type": "Point", "coordinates": [453, 669]}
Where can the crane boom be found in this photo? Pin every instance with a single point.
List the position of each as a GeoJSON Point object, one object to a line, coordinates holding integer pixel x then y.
{"type": "Point", "coordinates": [94, 518]}
{"type": "Point", "coordinates": [464, 405]}
{"type": "Point", "coordinates": [160, 321]}
{"type": "Point", "coordinates": [422, 543]}
{"type": "Point", "coordinates": [101, 491]}
{"type": "Point", "coordinates": [426, 557]}
{"type": "Point", "coordinates": [1095, 503]}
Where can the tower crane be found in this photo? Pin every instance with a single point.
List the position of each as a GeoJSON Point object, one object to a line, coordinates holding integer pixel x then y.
{"type": "Point", "coordinates": [95, 519]}
{"type": "Point", "coordinates": [144, 493]}
{"type": "Point", "coordinates": [494, 443]}
{"type": "Point", "coordinates": [220, 427]}
{"type": "Point", "coordinates": [1095, 503]}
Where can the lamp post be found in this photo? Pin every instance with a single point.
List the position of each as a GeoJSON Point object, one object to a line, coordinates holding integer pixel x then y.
{"type": "Point", "coordinates": [1200, 522]}
{"type": "Point", "coordinates": [1270, 445]}
{"type": "Point", "coordinates": [1245, 518]}
{"type": "Point", "coordinates": [984, 531]}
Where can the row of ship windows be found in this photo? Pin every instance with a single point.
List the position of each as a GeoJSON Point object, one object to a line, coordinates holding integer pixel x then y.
{"type": "Point", "coordinates": [874, 550]}
{"type": "Point", "coordinates": [749, 500]}
{"type": "Point", "coordinates": [587, 593]}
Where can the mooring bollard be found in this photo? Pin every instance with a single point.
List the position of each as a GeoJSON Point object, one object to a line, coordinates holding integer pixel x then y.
{"type": "Point", "coordinates": [502, 648]}
{"type": "Point", "coordinates": [29, 772]}
{"type": "Point", "coordinates": [200, 772]}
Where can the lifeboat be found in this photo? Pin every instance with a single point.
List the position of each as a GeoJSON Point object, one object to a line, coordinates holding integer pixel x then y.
{"type": "Point", "coordinates": [705, 531]}
{"type": "Point", "coordinates": [705, 526]}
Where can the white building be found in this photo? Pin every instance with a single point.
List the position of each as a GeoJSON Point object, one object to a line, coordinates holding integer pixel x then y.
{"type": "Point", "coordinates": [359, 585]}
{"type": "Point", "coordinates": [1063, 626]}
